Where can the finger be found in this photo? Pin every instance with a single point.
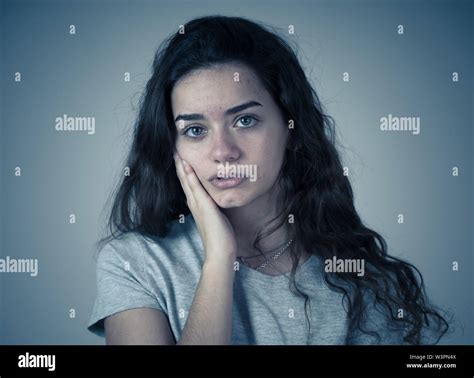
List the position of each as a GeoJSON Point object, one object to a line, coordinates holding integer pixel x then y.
{"type": "Point", "coordinates": [199, 193]}
{"type": "Point", "coordinates": [182, 178]}
{"type": "Point", "coordinates": [192, 181]}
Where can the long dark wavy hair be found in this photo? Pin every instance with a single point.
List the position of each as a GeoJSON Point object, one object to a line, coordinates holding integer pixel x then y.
{"type": "Point", "coordinates": [314, 188]}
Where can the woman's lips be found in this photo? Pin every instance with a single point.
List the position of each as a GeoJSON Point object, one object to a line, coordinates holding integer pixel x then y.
{"type": "Point", "coordinates": [227, 183]}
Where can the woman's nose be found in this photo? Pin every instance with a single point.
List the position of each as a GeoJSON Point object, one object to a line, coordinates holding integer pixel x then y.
{"type": "Point", "coordinates": [224, 148]}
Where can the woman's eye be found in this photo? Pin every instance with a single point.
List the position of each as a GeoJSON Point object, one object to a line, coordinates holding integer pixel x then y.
{"type": "Point", "coordinates": [194, 132]}
{"type": "Point", "coordinates": [247, 121]}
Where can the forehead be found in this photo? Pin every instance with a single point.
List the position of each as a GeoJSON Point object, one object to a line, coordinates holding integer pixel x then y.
{"type": "Point", "coordinates": [213, 90]}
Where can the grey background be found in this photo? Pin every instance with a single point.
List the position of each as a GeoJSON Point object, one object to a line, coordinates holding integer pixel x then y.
{"type": "Point", "coordinates": [82, 75]}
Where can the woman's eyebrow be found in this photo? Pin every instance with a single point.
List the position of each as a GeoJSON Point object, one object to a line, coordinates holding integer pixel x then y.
{"type": "Point", "coordinates": [233, 110]}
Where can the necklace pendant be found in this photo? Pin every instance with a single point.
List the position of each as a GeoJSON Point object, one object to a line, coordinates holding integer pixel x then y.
{"type": "Point", "coordinates": [240, 260]}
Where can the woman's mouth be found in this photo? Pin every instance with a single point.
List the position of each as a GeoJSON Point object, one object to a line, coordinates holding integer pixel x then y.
{"type": "Point", "coordinates": [226, 183]}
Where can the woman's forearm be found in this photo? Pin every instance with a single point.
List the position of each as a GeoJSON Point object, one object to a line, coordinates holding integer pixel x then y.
{"type": "Point", "coordinates": [210, 317]}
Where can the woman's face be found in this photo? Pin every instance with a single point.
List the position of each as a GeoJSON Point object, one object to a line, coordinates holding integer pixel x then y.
{"type": "Point", "coordinates": [229, 126]}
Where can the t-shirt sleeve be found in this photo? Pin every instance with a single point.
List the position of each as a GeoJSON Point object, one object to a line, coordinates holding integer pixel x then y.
{"type": "Point", "coordinates": [431, 336]}
{"type": "Point", "coordinates": [389, 331]}
{"type": "Point", "coordinates": [379, 330]}
{"type": "Point", "coordinates": [121, 283]}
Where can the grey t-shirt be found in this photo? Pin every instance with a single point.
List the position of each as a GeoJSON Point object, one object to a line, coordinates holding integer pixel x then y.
{"type": "Point", "coordinates": [163, 273]}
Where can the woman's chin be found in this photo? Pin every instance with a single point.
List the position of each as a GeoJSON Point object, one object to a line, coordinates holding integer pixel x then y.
{"type": "Point", "coordinates": [228, 201]}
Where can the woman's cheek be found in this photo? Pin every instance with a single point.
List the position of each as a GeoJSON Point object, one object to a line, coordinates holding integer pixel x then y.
{"type": "Point", "coordinates": [200, 175]}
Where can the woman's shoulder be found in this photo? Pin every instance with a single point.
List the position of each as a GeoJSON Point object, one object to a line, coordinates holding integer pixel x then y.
{"type": "Point", "coordinates": [182, 237]}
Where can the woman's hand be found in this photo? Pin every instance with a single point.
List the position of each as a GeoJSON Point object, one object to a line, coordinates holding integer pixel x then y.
{"type": "Point", "coordinates": [215, 229]}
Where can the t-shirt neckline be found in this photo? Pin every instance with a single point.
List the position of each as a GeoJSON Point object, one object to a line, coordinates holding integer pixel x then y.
{"type": "Point", "coordinates": [286, 275]}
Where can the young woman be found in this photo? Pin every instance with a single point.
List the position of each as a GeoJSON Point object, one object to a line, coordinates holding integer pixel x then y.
{"type": "Point", "coordinates": [236, 224]}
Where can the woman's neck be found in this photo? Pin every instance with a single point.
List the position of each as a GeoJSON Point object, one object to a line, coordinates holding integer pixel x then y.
{"type": "Point", "coordinates": [248, 220]}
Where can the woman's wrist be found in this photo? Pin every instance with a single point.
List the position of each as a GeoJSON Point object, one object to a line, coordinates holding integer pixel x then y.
{"type": "Point", "coordinates": [220, 263]}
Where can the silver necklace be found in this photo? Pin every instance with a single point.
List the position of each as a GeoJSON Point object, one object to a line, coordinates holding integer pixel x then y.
{"type": "Point", "coordinates": [267, 261]}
